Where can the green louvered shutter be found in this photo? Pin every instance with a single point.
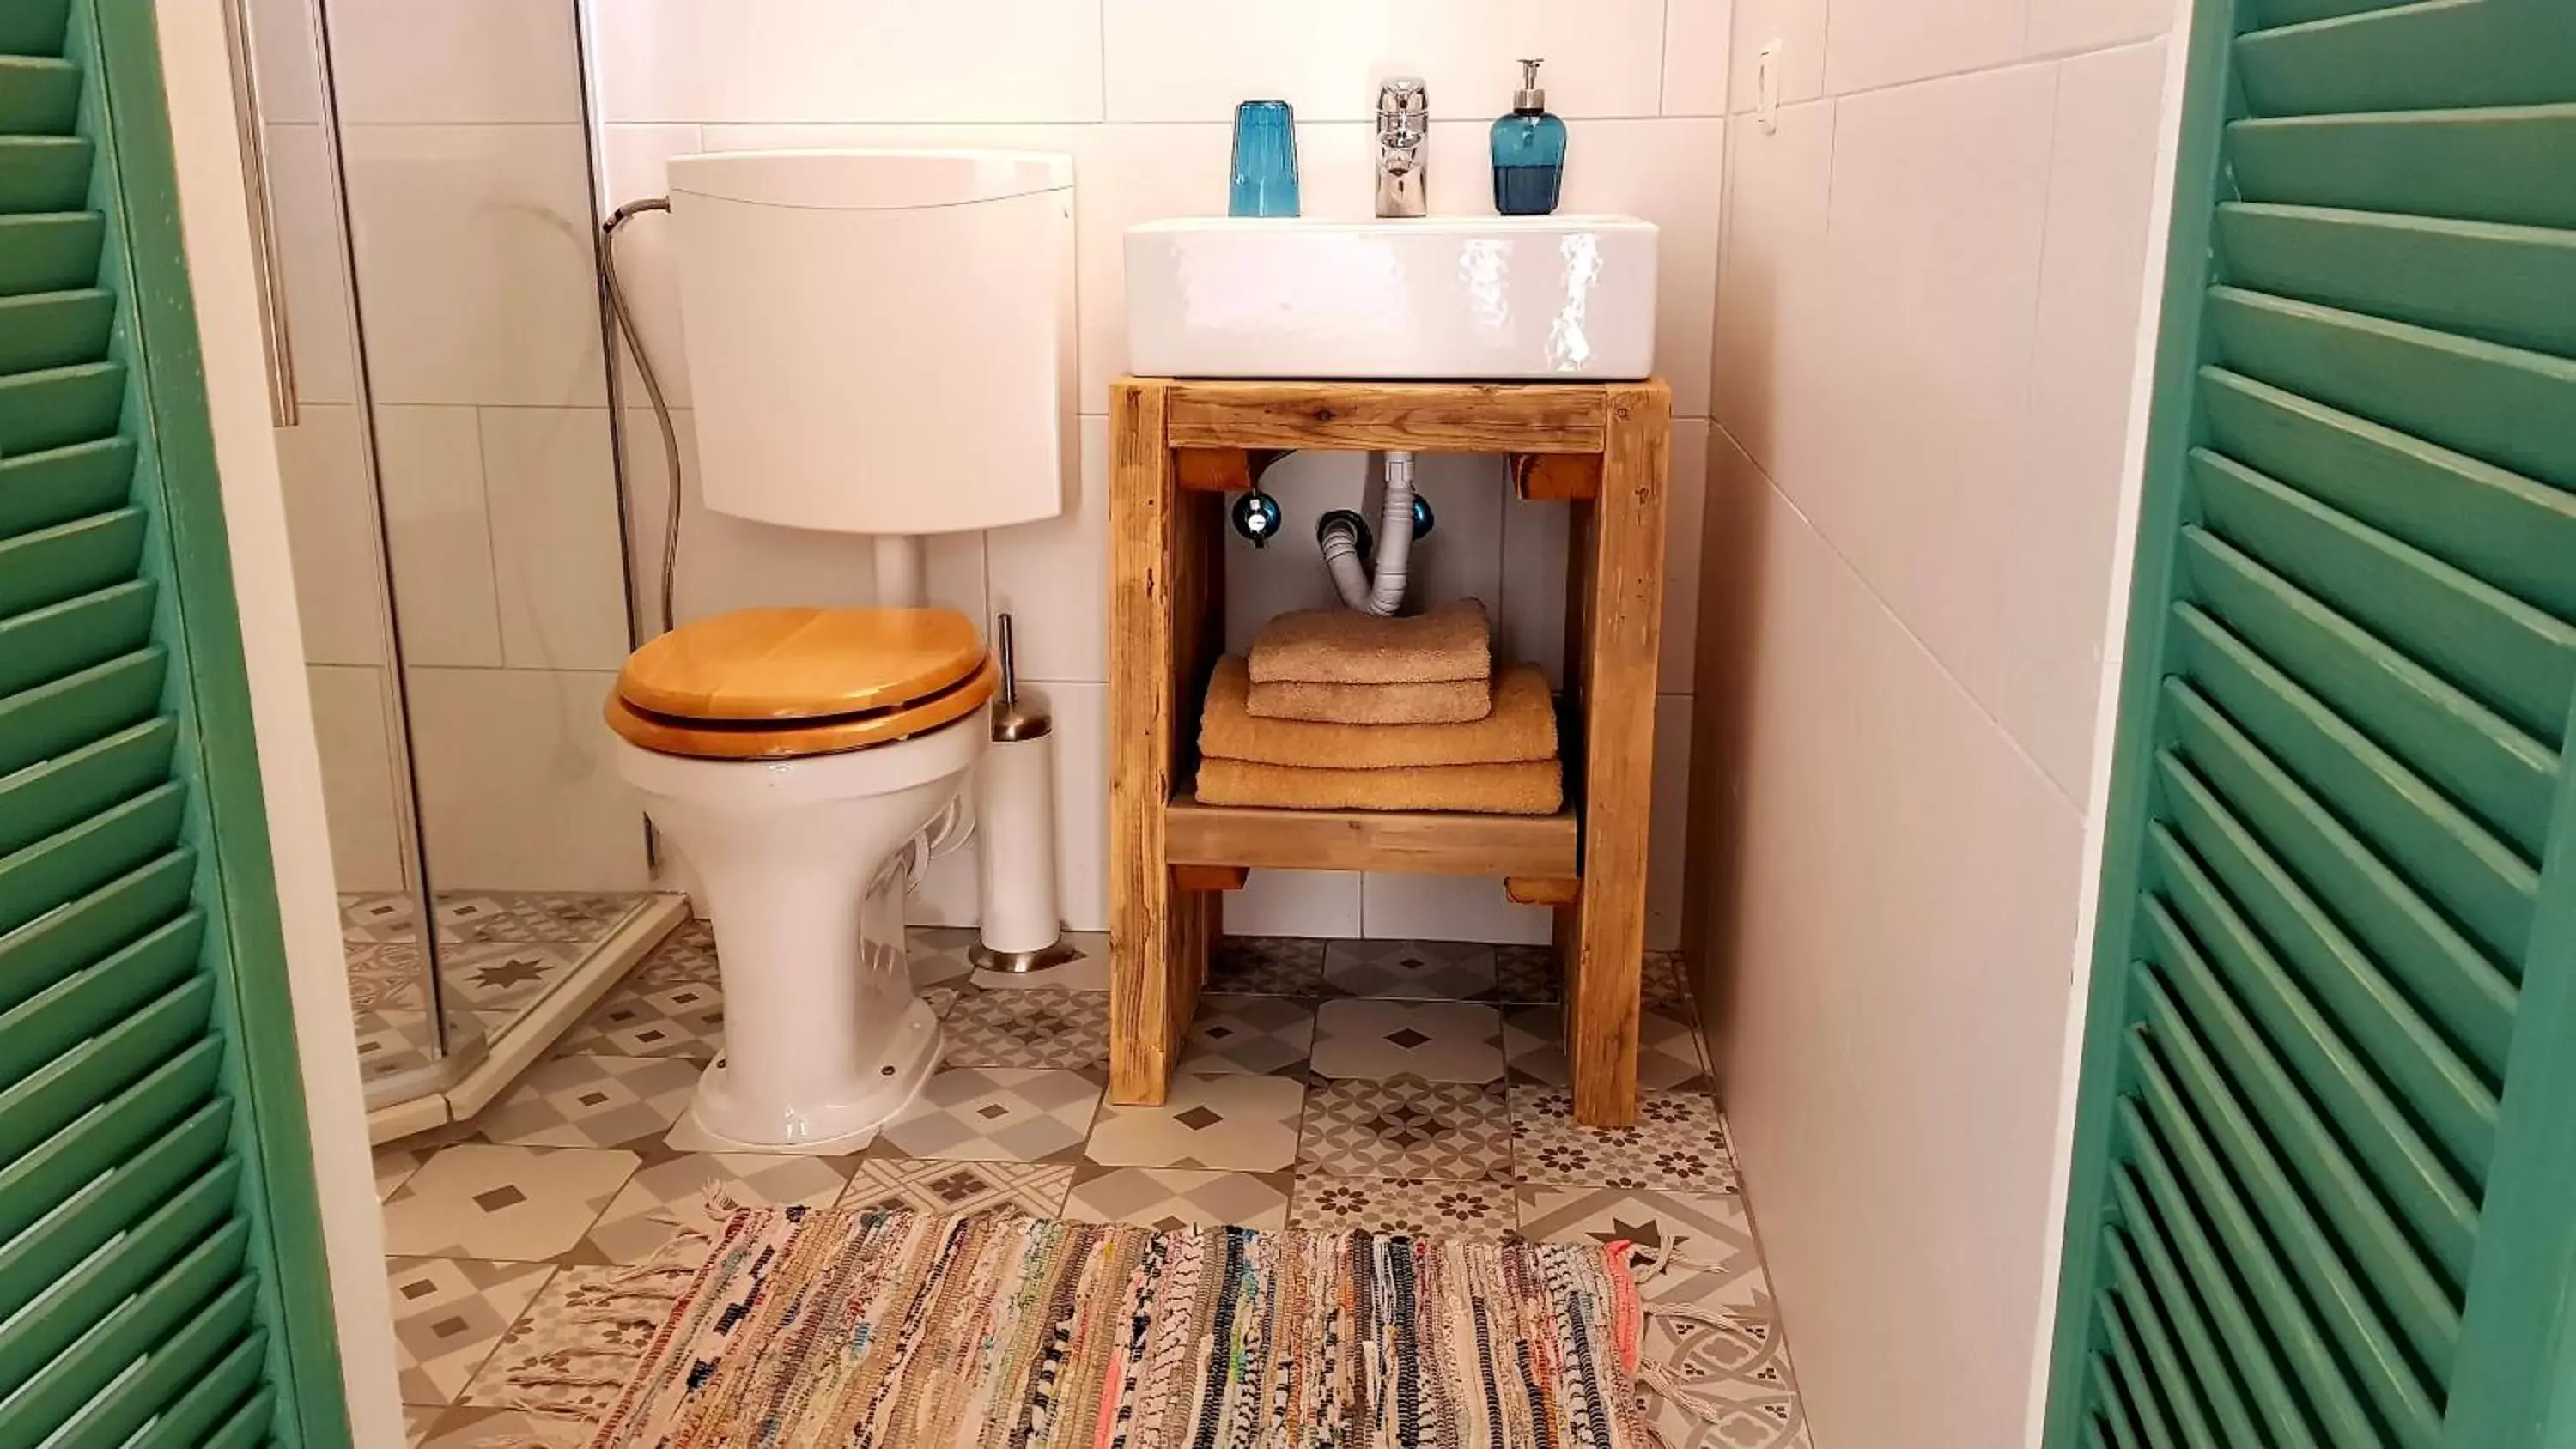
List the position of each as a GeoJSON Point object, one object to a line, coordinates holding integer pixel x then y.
{"type": "Point", "coordinates": [161, 1279]}
{"type": "Point", "coordinates": [2325, 1183]}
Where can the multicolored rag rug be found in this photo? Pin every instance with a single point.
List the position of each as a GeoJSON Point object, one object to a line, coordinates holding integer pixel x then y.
{"type": "Point", "coordinates": [893, 1330]}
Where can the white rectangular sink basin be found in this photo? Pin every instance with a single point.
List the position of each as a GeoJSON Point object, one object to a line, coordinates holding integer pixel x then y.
{"type": "Point", "coordinates": [1479, 297]}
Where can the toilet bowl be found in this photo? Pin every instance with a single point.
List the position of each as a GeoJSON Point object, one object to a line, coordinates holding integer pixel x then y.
{"type": "Point", "coordinates": [792, 756]}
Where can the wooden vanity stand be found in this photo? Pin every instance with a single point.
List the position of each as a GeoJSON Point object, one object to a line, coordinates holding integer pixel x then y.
{"type": "Point", "coordinates": [1176, 449]}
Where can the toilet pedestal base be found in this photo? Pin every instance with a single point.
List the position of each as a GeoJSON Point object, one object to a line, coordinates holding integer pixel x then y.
{"type": "Point", "coordinates": [878, 1089]}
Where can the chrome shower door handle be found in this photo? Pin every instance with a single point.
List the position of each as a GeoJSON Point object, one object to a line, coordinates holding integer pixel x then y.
{"type": "Point", "coordinates": [268, 269]}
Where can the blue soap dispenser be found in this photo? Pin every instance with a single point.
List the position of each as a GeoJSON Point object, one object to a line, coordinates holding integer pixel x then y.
{"type": "Point", "coordinates": [1529, 152]}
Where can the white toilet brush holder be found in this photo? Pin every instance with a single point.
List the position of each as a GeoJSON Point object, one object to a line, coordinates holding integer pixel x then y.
{"type": "Point", "coordinates": [1015, 822]}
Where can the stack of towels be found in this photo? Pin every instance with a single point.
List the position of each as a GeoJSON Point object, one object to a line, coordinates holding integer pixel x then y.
{"type": "Point", "coordinates": [1339, 710]}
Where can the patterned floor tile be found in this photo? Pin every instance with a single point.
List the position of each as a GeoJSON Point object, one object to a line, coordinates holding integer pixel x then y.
{"type": "Point", "coordinates": [1668, 1052]}
{"type": "Point", "coordinates": [379, 919]}
{"type": "Point", "coordinates": [1410, 970]}
{"type": "Point", "coordinates": [1527, 974]}
{"type": "Point", "coordinates": [1449, 1130]}
{"type": "Point", "coordinates": [938, 955]}
{"type": "Point", "coordinates": [1040, 1027]}
{"type": "Point", "coordinates": [531, 915]}
{"type": "Point", "coordinates": [687, 954]}
{"type": "Point", "coordinates": [1252, 1035]}
{"type": "Point", "coordinates": [947, 1188]}
{"type": "Point", "coordinates": [1167, 1198]}
{"type": "Point", "coordinates": [504, 975]}
{"type": "Point", "coordinates": [1086, 972]}
{"type": "Point", "coordinates": [391, 1043]}
{"type": "Point", "coordinates": [1400, 1205]}
{"type": "Point", "coordinates": [1720, 1333]}
{"type": "Point", "coordinates": [675, 1019]}
{"type": "Point", "coordinates": [666, 1198]}
{"type": "Point", "coordinates": [1266, 966]}
{"type": "Point", "coordinates": [1678, 1143]}
{"type": "Point", "coordinates": [942, 999]}
{"type": "Point", "coordinates": [1222, 1123]}
{"type": "Point", "coordinates": [1438, 1041]}
{"type": "Point", "coordinates": [592, 1101]}
{"type": "Point", "coordinates": [993, 1114]}
{"type": "Point", "coordinates": [388, 978]}
{"type": "Point", "coordinates": [1667, 983]}
{"type": "Point", "coordinates": [522, 1204]}
{"type": "Point", "coordinates": [571, 1353]}
{"type": "Point", "coordinates": [449, 1313]}
{"type": "Point", "coordinates": [467, 1427]}
{"type": "Point", "coordinates": [395, 1163]}
{"type": "Point", "coordinates": [1706, 1227]}
{"type": "Point", "coordinates": [417, 1419]}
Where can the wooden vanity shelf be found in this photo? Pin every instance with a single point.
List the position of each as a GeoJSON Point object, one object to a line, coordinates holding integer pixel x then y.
{"type": "Point", "coordinates": [1177, 447]}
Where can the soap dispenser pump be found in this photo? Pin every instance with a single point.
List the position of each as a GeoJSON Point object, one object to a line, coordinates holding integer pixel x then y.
{"type": "Point", "coordinates": [1529, 152]}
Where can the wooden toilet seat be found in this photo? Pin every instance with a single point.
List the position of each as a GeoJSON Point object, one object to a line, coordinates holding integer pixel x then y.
{"type": "Point", "coordinates": [770, 684]}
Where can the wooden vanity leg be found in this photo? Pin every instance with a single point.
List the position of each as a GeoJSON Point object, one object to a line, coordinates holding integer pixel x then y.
{"type": "Point", "coordinates": [1603, 934]}
{"type": "Point", "coordinates": [1146, 921]}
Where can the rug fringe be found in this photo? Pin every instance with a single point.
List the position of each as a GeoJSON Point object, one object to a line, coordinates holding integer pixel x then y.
{"type": "Point", "coordinates": [1667, 1379]}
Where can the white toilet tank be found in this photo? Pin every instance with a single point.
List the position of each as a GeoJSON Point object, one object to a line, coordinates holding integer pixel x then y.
{"type": "Point", "coordinates": [879, 341]}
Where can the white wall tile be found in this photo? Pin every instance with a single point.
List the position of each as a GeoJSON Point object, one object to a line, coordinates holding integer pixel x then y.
{"type": "Point", "coordinates": [446, 604]}
{"type": "Point", "coordinates": [350, 707]}
{"type": "Point", "coordinates": [286, 63]}
{"type": "Point", "coordinates": [551, 490]}
{"type": "Point", "coordinates": [632, 167]}
{"type": "Point", "coordinates": [1872, 43]}
{"type": "Point", "coordinates": [1686, 492]}
{"type": "Point", "coordinates": [1053, 576]}
{"type": "Point", "coordinates": [1180, 60]}
{"type": "Point", "coordinates": [1530, 624]}
{"type": "Point", "coordinates": [458, 61]}
{"type": "Point", "coordinates": [517, 787]}
{"type": "Point", "coordinates": [1448, 908]}
{"type": "Point", "coordinates": [1695, 56]}
{"type": "Point", "coordinates": [1939, 203]}
{"type": "Point", "coordinates": [2084, 359]}
{"type": "Point", "coordinates": [1797, 28]}
{"type": "Point", "coordinates": [831, 60]}
{"type": "Point", "coordinates": [475, 264]}
{"type": "Point", "coordinates": [1899, 956]}
{"type": "Point", "coordinates": [1667, 878]}
{"type": "Point", "coordinates": [1081, 803]}
{"type": "Point", "coordinates": [2057, 26]}
{"type": "Point", "coordinates": [1772, 348]}
{"type": "Point", "coordinates": [336, 550]}
{"type": "Point", "coordinates": [725, 562]}
{"type": "Point", "coordinates": [1295, 903]}
{"type": "Point", "coordinates": [311, 250]}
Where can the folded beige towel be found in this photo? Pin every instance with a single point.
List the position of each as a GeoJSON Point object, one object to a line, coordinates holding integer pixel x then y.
{"type": "Point", "coordinates": [1522, 726]}
{"type": "Point", "coordinates": [1344, 646]}
{"type": "Point", "coordinates": [1457, 701]}
{"type": "Point", "coordinates": [1527, 788]}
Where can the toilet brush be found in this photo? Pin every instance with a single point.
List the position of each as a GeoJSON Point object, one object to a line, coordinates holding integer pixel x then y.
{"type": "Point", "coordinates": [1015, 818]}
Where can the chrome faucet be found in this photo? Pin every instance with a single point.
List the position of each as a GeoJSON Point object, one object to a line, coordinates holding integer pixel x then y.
{"type": "Point", "coordinates": [1403, 131]}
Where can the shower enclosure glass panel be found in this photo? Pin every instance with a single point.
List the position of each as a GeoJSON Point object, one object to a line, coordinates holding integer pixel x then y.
{"type": "Point", "coordinates": [453, 496]}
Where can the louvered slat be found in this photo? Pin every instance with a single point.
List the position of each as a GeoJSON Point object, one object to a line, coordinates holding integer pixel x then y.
{"type": "Point", "coordinates": [2145, 1323]}
{"type": "Point", "coordinates": [43, 645]}
{"type": "Point", "coordinates": [49, 251]}
{"type": "Point", "coordinates": [2514, 285]}
{"type": "Point", "coordinates": [2513, 166]}
{"type": "Point", "coordinates": [2399, 1044]}
{"type": "Point", "coordinates": [2459, 867]}
{"type": "Point", "coordinates": [2212, 1376]}
{"type": "Point", "coordinates": [2458, 746]}
{"type": "Point", "coordinates": [141, 1214]}
{"type": "Point", "coordinates": [2435, 53]}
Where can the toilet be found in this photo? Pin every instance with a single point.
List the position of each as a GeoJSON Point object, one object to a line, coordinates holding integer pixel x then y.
{"type": "Point", "coordinates": [879, 343]}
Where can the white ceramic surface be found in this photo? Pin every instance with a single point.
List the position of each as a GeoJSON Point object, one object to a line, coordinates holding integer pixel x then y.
{"type": "Point", "coordinates": [1442, 297]}
{"type": "Point", "coordinates": [917, 305]}
{"type": "Point", "coordinates": [824, 1037]}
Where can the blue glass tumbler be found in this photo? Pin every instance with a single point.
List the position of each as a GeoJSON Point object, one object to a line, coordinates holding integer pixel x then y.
{"type": "Point", "coordinates": [1265, 160]}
